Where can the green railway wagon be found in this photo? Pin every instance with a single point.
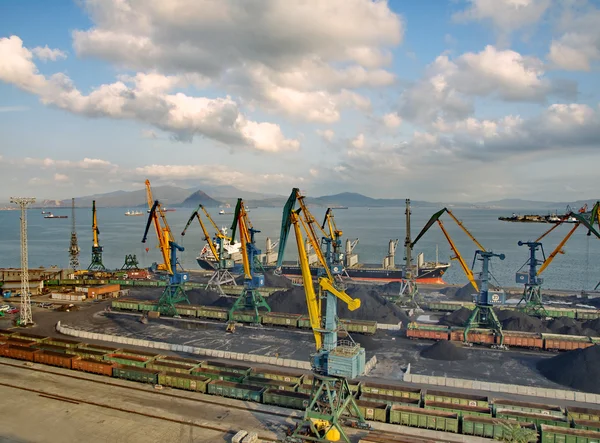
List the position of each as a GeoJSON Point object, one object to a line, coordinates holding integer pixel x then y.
{"type": "Point", "coordinates": [390, 400]}
{"type": "Point", "coordinates": [576, 413]}
{"type": "Point", "coordinates": [391, 390]}
{"type": "Point", "coordinates": [65, 343]}
{"type": "Point", "coordinates": [212, 312]}
{"type": "Point", "coordinates": [136, 353]}
{"type": "Point", "coordinates": [354, 385]}
{"type": "Point", "coordinates": [449, 306]}
{"type": "Point", "coordinates": [183, 381]}
{"type": "Point", "coordinates": [118, 282]}
{"type": "Point", "coordinates": [235, 390]}
{"type": "Point", "coordinates": [127, 360]}
{"type": "Point", "coordinates": [215, 374]}
{"type": "Point", "coordinates": [281, 319]}
{"type": "Point", "coordinates": [169, 367]}
{"type": "Point", "coordinates": [136, 374]}
{"type": "Point", "coordinates": [424, 418]}
{"type": "Point", "coordinates": [559, 312]}
{"type": "Point", "coordinates": [53, 348]}
{"type": "Point", "coordinates": [244, 316]}
{"type": "Point", "coordinates": [236, 369]}
{"type": "Point", "coordinates": [105, 349]}
{"type": "Point", "coordinates": [587, 314]}
{"type": "Point", "coordinates": [147, 306]}
{"type": "Point", "coordinates": [28, 336]}
{"type": "Point", "coordinates": [460, 410]}
{"type": "Point", "coordinates": [6, 333]}
{"type": "Point", "coordinates": [51, 282]}
{"type": "Point", "coordinates": [533, 408]}
{"type": "Point", "coordinates": [88, 353]}
{"type": "Point", "coordinates": [186, 310]}
{"type": "Point", "coordinates": [125, 305]}
{"type": "Point", "coordinates": [287, 399]}
{"type": "Point", "coordinates": [192, 363]}
{"type": "Point", "coordinates": [304, 323]}
{"type": "Point", "coordinates": [587, 424]}
{"type": "Point", "coordinates": [271, 384]}
{"type": "Point", "coordinates": [304, 389]}
{"type": "Point", "coordinates": [554, 434]}
{"type": "Point", "coordinates": [359, 326]}
{"type": "Point", "coordinates": [374, 411]}
{"type": "Point", "coordinates": [488, 427]}
{"type": "Point", "coordinates": [145, 283]}
{"type": "Point", "coordinates": [537, 419]}
{"type": "Point", "coordinates": [286, 376]}
{"type": "Point", "coordinates": [457, 399]}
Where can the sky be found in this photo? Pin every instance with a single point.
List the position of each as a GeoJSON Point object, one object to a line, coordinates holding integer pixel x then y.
{"type": "Point", "coordinates": [458, 100]}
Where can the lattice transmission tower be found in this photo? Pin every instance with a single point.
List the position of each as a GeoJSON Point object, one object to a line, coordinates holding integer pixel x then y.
{"type": "Point", "coordinates": [25, 318]}
{"type": "Point", "coordinates": [74, 248]}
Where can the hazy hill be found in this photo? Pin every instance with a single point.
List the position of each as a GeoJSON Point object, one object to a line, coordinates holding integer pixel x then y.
{"type": "Point", "coordinates": [517, 203]}
{"type": "Point", "coordinates": [199, 198]}
{"type": "Point", "coordinates": [228, 192]}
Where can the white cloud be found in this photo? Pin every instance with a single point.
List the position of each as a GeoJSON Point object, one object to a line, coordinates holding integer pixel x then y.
{"type": "Point", "coordinates": [505, 15]}
{"type": "Point", "coordinates": [46, 53]}
{"type": "Point", "coordinates": [13, 108]}
{"type": "Point", "coordinates": [61, 178]}
{"type": "Point", "coordinates": [358, 142]}
{"type": "Point", "coordinates": [149, 133]}
{"type": "Point", "coordinates": [392, 120]}
{"type": "Point", "coordinates": [326, 134]}
{"type": "Point", "coordinates": [579, 46]}
{"type": "Point", "coordinates": [146, 100]}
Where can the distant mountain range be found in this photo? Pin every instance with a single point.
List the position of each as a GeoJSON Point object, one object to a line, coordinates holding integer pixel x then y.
{"type": "Point", "coordinates": [214, 196]}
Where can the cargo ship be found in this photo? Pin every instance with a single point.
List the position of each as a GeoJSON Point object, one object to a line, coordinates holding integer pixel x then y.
{"type": "Point", "coordinates": [51, 215]}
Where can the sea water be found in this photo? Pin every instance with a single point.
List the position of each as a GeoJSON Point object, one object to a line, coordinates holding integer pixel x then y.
{"type": "Point", "coordinates": [576, 269]}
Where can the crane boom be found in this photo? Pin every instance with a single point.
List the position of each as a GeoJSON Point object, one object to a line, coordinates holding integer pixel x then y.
{"type": "Point", "coordinates": [459, 223]}
{"type": "Point", "coordinates": [162, 234]}
{"type": "Point", "coordinates": [557, 250]}
{"type": "Point", "coordinates": [241, 222]}
{"type": "Point", "coordinates": [207, 238]}
{"type": "Point", "coordinates": [95, 230]}
{"type": "Point", "coordinates": [458, 257]}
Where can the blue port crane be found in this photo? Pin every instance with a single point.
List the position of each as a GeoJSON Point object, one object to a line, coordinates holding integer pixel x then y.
{"type": "Point", "coordinates": [221, 276]}
{"type": "Point", "coordinates": [174, 290]}
{"type": "Point", "coordinates": [334, 361]}
{"type": "Point", "coordinates": [250, 300]}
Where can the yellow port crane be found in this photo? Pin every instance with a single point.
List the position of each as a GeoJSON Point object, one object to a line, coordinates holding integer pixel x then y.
{"type": "Point", "coordinates": [333, 361]}
{"type": "Point", "coordinates": [163, 230]}
{"type": "Point", "coordinates": [221, 275]}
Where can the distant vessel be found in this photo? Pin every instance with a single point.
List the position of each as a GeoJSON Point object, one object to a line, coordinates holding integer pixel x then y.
{"type": "Point", "coordinates": [206, 260]}
{"type": "Point", "coordinates": [164, 210]}
{"type": "Point", "coordinates": [134, 213]}
{"type": "Point", "coordinates": [222, 211]}
{"type": "Point", "coordinates": [51, 215]}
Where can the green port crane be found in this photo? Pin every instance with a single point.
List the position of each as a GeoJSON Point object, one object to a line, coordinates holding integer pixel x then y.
{"type": "Point", "coordinates": [96, 264]}
{"type": "Point", "coordinates": [250, 299]}
{"type": "Point", "coordinates": [221, 276]}
{"type": "Point", "coordinates": [333, 362]}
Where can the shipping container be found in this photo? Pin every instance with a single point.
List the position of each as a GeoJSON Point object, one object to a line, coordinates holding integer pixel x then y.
{"type": "Point", "coordinates": [534, 408]}
{"type": "Point", "coordinates": [565, 342]}
{"type": "Point", "coordinates": [18, 341]}
{"type": "Point", "coordinates": [460, 410]}
{"type": "Point", "coordinates": [169, 367]}
{"type": "Point", "coordinates": [391, 400]}
{"type": "Point", "coordinates": [136, 374]}
{"type": "Point", "coordinates": [235, 390]}
{"type": "Point", "coordinates": [212, 312]}
{"type": "Point", "coordinates": [125, 305]}
{"type": "Point", "coordinates": [271, 384]}
{"type": "Point", "coordinates": [577, 413]}
{"type": "Point", "coordinates": [180, 360]}
{"type": "Point", "coordinates": [215, 374]}
{"type": "Point", "coordinates": [359, 326]}
{"type": "Point", "coordinates": [19, 352]}
{"type": "Point", "coordinates": [391, 390]}
{"type": "Point", "coordinates": [93, 366]}
{"type": "Point", "coordinates": [554, 434]}
{"type": "Point", "coordinates": [237, 369]}
{"type": "Point", "coordinates": [28, 336]}
{"type": "Point", "coordinates": [530, 340]}
{"type": "Point", "coordinates": [244, 316]}
{"type": "Point", "coordinates": [89, 354]}
{"type": "Point", "coordinates": [424, 418]}
{"type": "Point", "coordinates": [281, 375]}
{"type": "Point", "coordinates": [54, 359]}
{"type": "Point", "coordinates": [457, 398]}
{"type": "Point", "coordinates": [537, 419]}
{"type": "Point", "coordinates": [374, 411]}
{"type": "Point", "coordinates": [292, 400]}
{"type": "Point", "coordinates": [488, 427]}
{"type": "Point", "coordinates": [127, 360]}
{"type": "Point", "coordinates": [590, 425]}
{"type": "Point", "coordinates": [183, 381]}
{"type": "Point", "coordinates": [281, 319]}
{"type": "Point", "coordinates": [65, 343]}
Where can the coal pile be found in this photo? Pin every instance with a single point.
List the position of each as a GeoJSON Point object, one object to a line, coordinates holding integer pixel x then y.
{"type": "Point", "coordinates": [519, 321]}
{"type": "Point", "coordinates": [204, 297]}
{"type": "Point", "coordinates": [578, 369]}
{"type": "Point", "coordinates": [593, 325]}
{"type": "Point", "coordinates": [568, 326]}
{"type": "Point", "coordinates": [373, 306]}
{"type": "Point", "coordinates": [444, 350]}
{"type": "Point", "coordinates": [277, 281]}
{"type": "Point", "coordinates": [456, 318]}
{"type": "Point", "coordinates": [466, 292]}
{"type": "Point", "coordinates": [368, 343]}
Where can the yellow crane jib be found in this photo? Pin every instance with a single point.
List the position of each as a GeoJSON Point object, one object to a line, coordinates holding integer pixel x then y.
{"type": "Point", "coordinates": [207, 237]}
{"type": "Point", "coordinates": [459, 257]}
{"type": "Point", "coordinates": [162, 234]}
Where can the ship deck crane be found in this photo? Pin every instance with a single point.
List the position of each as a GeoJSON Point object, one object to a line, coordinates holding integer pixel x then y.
{"type": "Point", "coordinates": [333, 361]}
{"type": "Point", "coordinates": [221, 276]}
{"type": "Point", "coordinates": [250, 299]}
{"type": "Point", "coordinates": [174, 291]}
{"type": "Point", "coordinates": [483, 315]}
{"type": "Point", "coordinates": [96, 264]}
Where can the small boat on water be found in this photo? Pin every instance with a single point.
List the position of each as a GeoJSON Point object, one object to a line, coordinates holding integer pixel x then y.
{"type": "Point", "coordinates": [51, 215]}
{"type": "Point", "coordinates": [133, 213]}
{"type": "Point", "coordinates": [222, 211]}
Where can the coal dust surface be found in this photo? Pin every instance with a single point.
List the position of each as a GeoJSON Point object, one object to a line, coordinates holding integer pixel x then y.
{"type": "Point", "coordinates": [578, 369]}
{"type": "Point", "coordinates": [444, 350]}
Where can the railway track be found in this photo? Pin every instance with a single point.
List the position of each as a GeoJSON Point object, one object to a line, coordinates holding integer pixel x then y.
{"type": "Point", "coordinates": [136, 412]}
